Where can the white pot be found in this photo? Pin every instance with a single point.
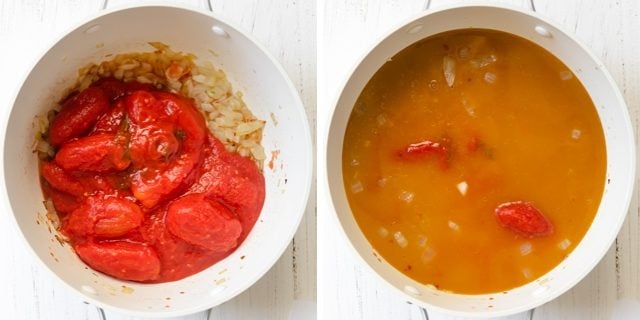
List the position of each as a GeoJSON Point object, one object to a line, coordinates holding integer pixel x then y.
{"type": "Point", "coordinates": [619, 144]}
{"type": "Point", "coordinates": [267, 91]}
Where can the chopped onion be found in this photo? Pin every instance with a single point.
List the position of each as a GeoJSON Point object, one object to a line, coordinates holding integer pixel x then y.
{"type": "Point", "coordinates": [575, 134]}
{"type": "Point", "coordinates": [422, 240]}
{"type": "Point", "coordinates": [382, 181]}
{"type": "Point", "coordinates": [406, 196]}
{"type": "Point", "coordinates": [464, 53]}
{"type": "Point", "coordinates": [249, 127]}
{"type": "Point", "coordinates": [453, 226]}
{"type": "Point", "coordinates": [484, 61]}
{"type": "Point", "coordinates": [427, 255]}
{"type": "Point", "coordinates": [381, 119]}
{"type": "Point", "coordinates": [462, 187]}
{"type": "Point", "coordinates": [490, 77]}
{"type": "Point", "coordinates": [566, 75]}
{"type": "Point", "coordinates": [355, 162]}
{"type": "Point", "coordinates": [526, 272]}
{"type": "Point", "coordinates": [383, 232]}
{"type": "Point", "coordinates": [357, 187]}
{"type": "Point", "coordinates": [526, 248]}
{"type": "Point", "coordinates": [449, 68]}
{"type": "Point", "coordinates": [400, 239]}
{"type": "Point", "coordinates": [468, 107]}
{"type": "Point", "coordinates": [564, 244]}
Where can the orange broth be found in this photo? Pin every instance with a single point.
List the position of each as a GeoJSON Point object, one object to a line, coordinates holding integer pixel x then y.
{"type": "Point", "coordinates": [518, 125]}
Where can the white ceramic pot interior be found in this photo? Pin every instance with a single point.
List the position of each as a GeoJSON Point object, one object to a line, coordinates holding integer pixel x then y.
{"type": "Point", "coordinates": [620, 158]}
{"type": "Point", "coordinates": [267, 92]}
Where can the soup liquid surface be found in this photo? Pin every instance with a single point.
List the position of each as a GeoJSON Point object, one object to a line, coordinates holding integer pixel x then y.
{"type": "Point", "coordinates": [518, 126]}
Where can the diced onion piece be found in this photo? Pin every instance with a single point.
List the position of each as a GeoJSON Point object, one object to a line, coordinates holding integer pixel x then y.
{"type": "Point", "coordinates": [564, 244]}
{"type": "Point", "coordinates": [449, 69]}
{"type": "Point", "coordinates": [566, 75]}
{"type": "Point", "coordinates": [464, 53]}
{"type": "Point", "coordinates": [468, 107]}
{"type": "Point", "coordinates": [490, 77]}
{"type": "Point", "coordinates": [355, 162]}
{"type": "Point", "coordinates": [526, 248]}
{"type": "Point", "coordinates": [484, 61]}
{"type": "Point", "coordinates": [462, 188]}
{"type": "Point", "coordinates": [453, 226]}
{"type": "Point", "coordinates": [422, 240]}
{"type": "Point", "coordinates": [357, 187]}
{"type": "Point", "coordinates": [199, 78]}
{"type": "Point", "coordinates": [406, 196]}
{"type": "Point", "coordinates": [381, 119]}
{"type": "Point", "coordinates": [258, 152]}
{"type": "Point", "coordinates": [382, 181]}
{"type": "Point", "coordinates": [383, 232]}
{"type": "Point", "coordinates": [575, 134]}
{"type": "Point", "coordinates": [400, 239]}
{"type": "Point", "coordinates": [249, 127]}
{"type": "Point", "coordinates": [526, 272]}
{"type": "Point", "coordinates": [427, 255]}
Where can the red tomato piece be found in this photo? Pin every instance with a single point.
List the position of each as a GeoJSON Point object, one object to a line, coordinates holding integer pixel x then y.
{"type": "Point", "coordinates": [424, 148]}
{"type": "Point", "coordinates": [189, 122]}
{"type": "Point", "coordinates": [152, 185]}
{"type": "Point", "coordinates": [61, 180]}
{"type": "Point", "coordinates": [115, 88]}
{"type": "Point", "coordinates": [95, 153]}
{"type": "Point", "coordinates": [110, 122]}
{"type": "Point", "coordinates": [120, 259]}
{"type": "Point", "coordinates": [474, 144]}
{"type": "Point", "coordinates": [63, 202]}
{"type": "Point", "coordinates": [155, 142]}
{"type": "Point", "coordinates": [233, 179]}
{"type": "Point", "coordinates": [143, 108]}
{"type": "Point", "coordinates": [202, 222]}
{"type": "Point", "coordinates": [523, 218]}
{"type": "Point", "coordinates": [78, 115]}
{"type": "Point", "coordinates": [105, 217]}
{"type": "Point", "coordinates": [168, 136]}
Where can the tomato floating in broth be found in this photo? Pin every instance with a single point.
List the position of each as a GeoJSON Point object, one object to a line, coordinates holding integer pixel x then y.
{"type": "Point", "coordinates": [474, 160]}
{"type": "Point", "coordinates": [143, 190]}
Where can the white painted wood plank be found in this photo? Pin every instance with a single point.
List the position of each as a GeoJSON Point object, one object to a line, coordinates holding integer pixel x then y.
{"type": "Point", "coordinates": [514, 3]}
{"type": "Point", "coordinates": [609, 29]}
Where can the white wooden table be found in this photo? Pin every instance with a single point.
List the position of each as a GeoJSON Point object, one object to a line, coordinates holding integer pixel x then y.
{"type": "Point", "coordinates": [348, 29]}
{"type": "Point", "coordinates": [285, 27]}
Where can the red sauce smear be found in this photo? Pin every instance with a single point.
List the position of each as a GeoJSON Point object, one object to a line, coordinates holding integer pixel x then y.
{"type": "Point", "coordinates": [143, 190]}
